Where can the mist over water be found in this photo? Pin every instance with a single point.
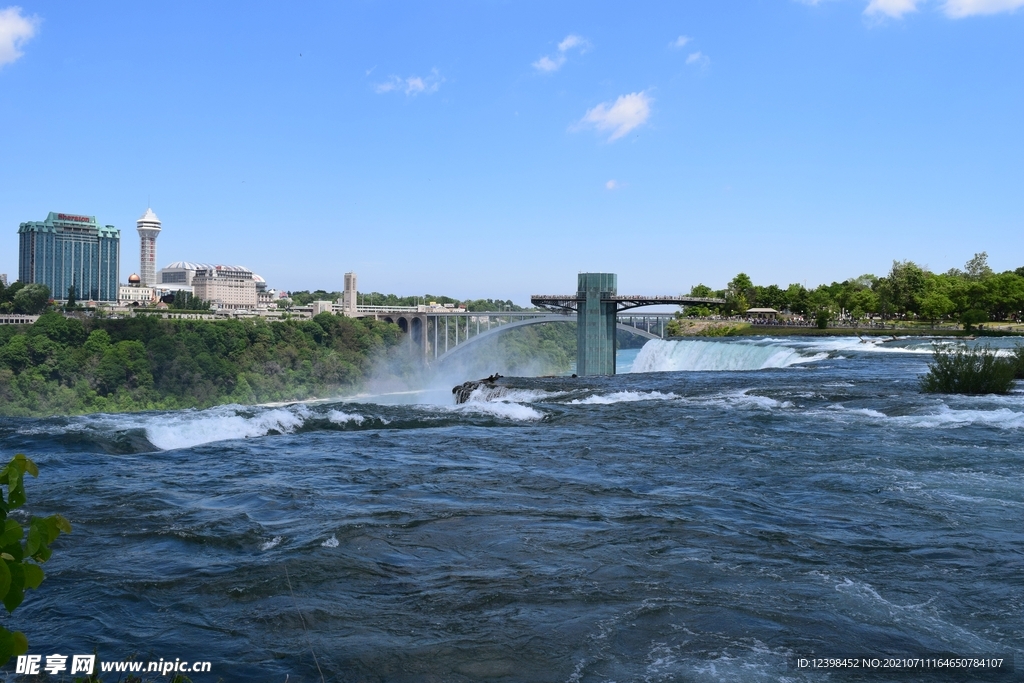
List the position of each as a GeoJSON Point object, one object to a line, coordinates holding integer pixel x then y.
{"type": "Point", "coordinates": [717, 510]}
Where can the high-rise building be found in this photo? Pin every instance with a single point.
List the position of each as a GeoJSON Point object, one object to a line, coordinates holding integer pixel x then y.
{"type": "Point", "coordinates": [68, 250]}
{"type": "Point", "coordinates": [3, 278]}
{"type": "Point", "coordinates": [149, 230]}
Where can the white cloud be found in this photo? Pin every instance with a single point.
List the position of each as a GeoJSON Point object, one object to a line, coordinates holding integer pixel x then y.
{"type": "Point", "coordinates": [679, 42]}
{"type": "Point", "coordinates": [621, 116]}
{"type": "Point", "coordinates": [967, 8]}
{"type": "Point", "coordinates": [15, 30]}
{"type": "Point", "coordinates": [547, 64]}
{"type": "Point", "coordinates": [572, 40]}
{"type": "Point", "coordinates": [698, 58]}
{"type": "Point", "coordinates": [612, 185]}
{"type": "Point", "coordinates": [891, 8]}
{"type": "Point", "coordinates": [412, 86]}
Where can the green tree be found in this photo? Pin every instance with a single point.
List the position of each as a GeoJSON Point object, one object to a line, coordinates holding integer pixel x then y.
{"type": "Point", "coordinates": [977, 268]}
{"type": "Point", "coordinates": [863, 302]}
{"type": "Point", "coordinates": [20, 559]}
{"type": "Point", "coordinates": [739, 293]}
{"type": "Point", "coordinates": [901, 291]}
{"type": "Point", "coordinates": [72, 302]}
{"type": "Point", "coordinates": [31, 299]}
{"type": "Point", "coordinates": [702, 291]}
{"type": "Point", "coordinates": [1003, 295]}
{"type": "Point", "coordinates": [935, 305]}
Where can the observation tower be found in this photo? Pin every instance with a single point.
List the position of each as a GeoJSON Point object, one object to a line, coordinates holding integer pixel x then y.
{"type": "Point", "coordinates": [149, 230]}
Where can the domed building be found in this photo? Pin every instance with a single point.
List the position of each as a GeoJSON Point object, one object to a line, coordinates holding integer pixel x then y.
{"type": "Point", "coordinates": [134, 294]}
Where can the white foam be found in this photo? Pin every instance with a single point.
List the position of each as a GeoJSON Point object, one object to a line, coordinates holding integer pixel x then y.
{"type": "Point", "coordinates": [944, 417]}
{"type": "Point", "coordinates": [503, 402]}
{"type": "Point", "coordinates": [338, 417]}
{"type": "Point", "coordinates": [193, 428]}
{"type": "Point", "coordinates": [503, 409]}
{"type": "Point", "coordinates": [690, 356]}
{"type": "Point", "coordinates": [331, 542]}
{"type": "Point", "coordinates": [744, 399]}
{"type": "Point", "coordinates": [485, 392]}
{"type": "Point", "coordinates": [1002, 418]}
{"type": "Point", "coordinates": [624, 397]}
{"type": "Point", "coordinates": [271, 543]}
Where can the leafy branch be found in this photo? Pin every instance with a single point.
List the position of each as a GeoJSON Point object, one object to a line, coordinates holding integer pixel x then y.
{"type": "Point", "coordinates": [20, 556]}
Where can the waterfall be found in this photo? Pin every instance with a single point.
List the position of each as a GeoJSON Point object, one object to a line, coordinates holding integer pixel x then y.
{"type": "Point", "coordinates": [686, 355]}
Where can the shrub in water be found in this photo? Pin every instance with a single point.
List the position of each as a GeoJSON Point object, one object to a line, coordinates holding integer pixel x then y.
{"type": "Point", "coordinates": [965, 370]}
{"type": "Point", "coordinates": [1018, 356]}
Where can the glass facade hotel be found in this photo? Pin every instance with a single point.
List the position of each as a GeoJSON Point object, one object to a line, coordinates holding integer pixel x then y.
{"type": "Point", "coordinates": [69, 249]}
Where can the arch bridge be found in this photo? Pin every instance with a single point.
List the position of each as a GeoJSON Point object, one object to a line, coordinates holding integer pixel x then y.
{"type": "Point", "coordinates": [599, 312]}
{"type": "Point", "coordinates": [441, 334]}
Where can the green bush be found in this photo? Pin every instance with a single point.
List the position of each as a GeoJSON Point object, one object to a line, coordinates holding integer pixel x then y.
{"type": "Point", "coordinates": [965, 370]}
{"type": "Point", "coordinates": [973, 317]}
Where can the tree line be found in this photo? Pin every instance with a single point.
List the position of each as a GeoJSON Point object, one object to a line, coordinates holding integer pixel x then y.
{"type": "Point", "coordinates": [63, 365]}
{"type": "Point", "coordinates": [305, 297]}
{"type": "Point", "coordinates": [973, 295]}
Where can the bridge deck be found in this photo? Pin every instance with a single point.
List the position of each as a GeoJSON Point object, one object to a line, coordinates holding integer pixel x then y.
{"type": "Point", "coordinates": [571, 302]}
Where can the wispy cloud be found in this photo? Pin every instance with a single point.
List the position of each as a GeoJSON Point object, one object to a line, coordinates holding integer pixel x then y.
{"type": "Point", "coordinates": [955, 9]}
{"type": "Point", "coordinates": [698, 58]}
{"type": "Point", "coordinates": [680, 42]}
{"type": "Point", "coordinates": [15, 30]}
{"type": "Point", "coordinates": [619, 117]}
{"type": "Point", "coordinates": [411, 86]}
{"type": "Point", "coordinates": [959, 9]}
{"type": "Point", "coordinates": [613, 185]}
{"type": "Point", "coordinates": [549, 63]}
{"type": "Point", "coordinates": [891, 8]}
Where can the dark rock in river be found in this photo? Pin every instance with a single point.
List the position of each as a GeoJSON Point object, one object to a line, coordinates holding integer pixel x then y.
{"type": "Point", "coordinates": [463, 391]}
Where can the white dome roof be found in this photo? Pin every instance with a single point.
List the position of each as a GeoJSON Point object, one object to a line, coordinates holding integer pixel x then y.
{"type": "Point", "coordinates": [149, 217]}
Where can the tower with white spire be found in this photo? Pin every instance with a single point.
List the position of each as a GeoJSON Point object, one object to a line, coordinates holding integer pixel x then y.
{"type": "Point", "coordinates": [149, 230]}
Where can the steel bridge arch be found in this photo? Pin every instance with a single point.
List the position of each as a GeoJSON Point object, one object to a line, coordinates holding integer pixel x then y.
{"type": "Point", "coordinates": [554, 318]}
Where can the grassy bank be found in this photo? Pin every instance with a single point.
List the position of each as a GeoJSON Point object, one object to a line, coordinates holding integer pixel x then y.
{"type": "Point", "coordinates": [783, 331]}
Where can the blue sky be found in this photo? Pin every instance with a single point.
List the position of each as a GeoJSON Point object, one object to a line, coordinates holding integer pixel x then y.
{"type": "Point", "coordinates": [495, 149]}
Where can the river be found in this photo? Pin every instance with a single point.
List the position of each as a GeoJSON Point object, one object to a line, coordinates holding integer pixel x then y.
{"type": "Point", "coordinates": [726, 508]}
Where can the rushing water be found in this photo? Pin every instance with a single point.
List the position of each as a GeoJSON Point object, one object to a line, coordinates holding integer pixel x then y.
{"type": "Point", "coordinates": [728, 506]}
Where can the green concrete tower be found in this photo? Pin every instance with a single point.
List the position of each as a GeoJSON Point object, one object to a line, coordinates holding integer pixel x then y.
{"type": "Point", "coordinates": [595, 324]}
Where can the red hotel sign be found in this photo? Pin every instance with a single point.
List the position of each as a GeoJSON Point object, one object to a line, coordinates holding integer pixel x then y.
{"type": "Point", "coordinates": [72, 217]}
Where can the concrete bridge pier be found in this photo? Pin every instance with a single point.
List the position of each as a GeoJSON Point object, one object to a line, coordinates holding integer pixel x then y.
{"type": "Point", "coordinates": [595, 323]}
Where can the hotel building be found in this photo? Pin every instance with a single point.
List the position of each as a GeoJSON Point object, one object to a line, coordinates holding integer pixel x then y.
{"type": "Point", "coordinates": [68, 250]}
{"type": "Point", "coordinates": [231, 287]}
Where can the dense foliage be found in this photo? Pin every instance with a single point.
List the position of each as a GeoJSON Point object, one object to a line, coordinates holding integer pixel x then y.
{"type": "Point", "coordinates": [22, 298]}
{"type": "Point", "coordinates": [966, 370]}
{"type": "Point", "coordinates": [65, 365]}
{"type": "Point", "coordinates": [184, 301]}
{"type": "Point", "coordinates": [971, 296]}
{"type": "Point", "coordinates": [20, 556]}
